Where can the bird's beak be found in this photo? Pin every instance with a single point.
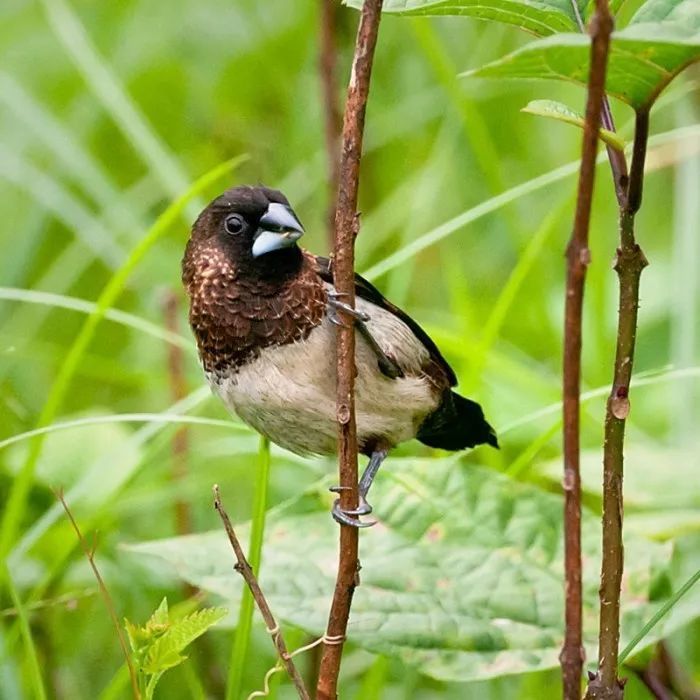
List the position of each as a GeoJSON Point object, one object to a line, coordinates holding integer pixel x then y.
{"type": "Point", "coordinates": [279, 228]}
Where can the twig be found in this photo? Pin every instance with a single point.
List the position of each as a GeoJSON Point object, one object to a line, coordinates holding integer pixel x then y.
{"type": "Point", "coordinates": [244, 569]}
{"type": "Point", "coordinates": [333, 118]}
{"type": "Point", "coordinates": [629, 263]}
{"type": "Point", "coordinates": [618, 162]}
{"type": "Point", "coordinates": [346, 226]}
{"type": "Point", "coordinates": [109, 603]}
{"type": "Point", "coordinates": [578, 256]}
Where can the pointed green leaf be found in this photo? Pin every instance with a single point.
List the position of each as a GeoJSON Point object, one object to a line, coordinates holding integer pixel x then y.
{"type": "Point", "coordinates": [542, 17]}
{"type": "Point", "coordinates": [461, 579]}
{"type": "Point", "coordinates": [164, 653]}
{"type": "Point", "coordinates": [562, 113]}
{"type": "Point", "coordinates": [644, 58]}
{"type": "Point", "coordinates": [160, 619]}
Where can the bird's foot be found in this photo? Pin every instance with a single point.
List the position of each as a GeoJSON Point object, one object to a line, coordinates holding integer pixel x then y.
{"type": "Point", "coordinates": [350, 517]}
{"type": "Point", "coordinates": [334, 304]}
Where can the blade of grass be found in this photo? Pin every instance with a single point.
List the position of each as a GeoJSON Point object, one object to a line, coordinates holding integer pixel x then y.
{"type": "Point", "coordinates": [239, 653]}
{"type": "Point", "coordinates": [649, 378]}
{"type": "Point", "coordinates": [19, 490]}
{"type": "Point", "coordinates": [494, 203]}
{"type": "Point", "coordinates": [511, 289]}
{"type": "Point", "coordinates": [67, 268]}
{"type": "Point", "coordinates": [660, 614]}
{"type": "Point", "coordinates": [51, 195]}
{"type": "Point", "coordinates": [30, 649]}
{"type": "Point", "coordinates": [124, 418]}
{"type": "Point", "coordinates": [74, 158]}
{"type": "Point", "coordinates": [60, 301]}
{"type": "Point", "coordinates": [115, 99]}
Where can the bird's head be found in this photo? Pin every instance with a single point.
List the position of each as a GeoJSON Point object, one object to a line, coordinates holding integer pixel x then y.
{"type": "Point", "coordinates": [248, 224]}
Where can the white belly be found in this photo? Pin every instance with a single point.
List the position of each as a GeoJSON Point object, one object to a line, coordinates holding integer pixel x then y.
{"type": "Point", "coordinates": [288, 393]}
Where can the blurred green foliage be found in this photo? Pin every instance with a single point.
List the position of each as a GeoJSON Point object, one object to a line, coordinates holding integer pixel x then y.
{"type": "Point", "coordinates": [109, 112]}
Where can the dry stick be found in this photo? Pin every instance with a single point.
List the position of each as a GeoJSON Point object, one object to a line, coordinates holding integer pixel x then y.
{"type": "Point", "coordinates": [629, 263]}
{"type": "Point", "coordinates": [578, 256]}
{"type": "Point", "coordinates": [346, 224]}
{"type": "Point", "coordinates": [244, 569]}
{"type": "Point", "coordinates": [332, 116]}
{"type": "Point", "coordinates": [109, 603]}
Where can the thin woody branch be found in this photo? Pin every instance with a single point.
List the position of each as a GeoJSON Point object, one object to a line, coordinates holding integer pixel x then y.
{"type": "Point", "coordinates": [346, 225]}
{"type": "Point", "coordinates": [629, 263]}
{"type": "Point", "coordinates": [578, 256]}
{"type": "Point", "coordinates": [244, 569]}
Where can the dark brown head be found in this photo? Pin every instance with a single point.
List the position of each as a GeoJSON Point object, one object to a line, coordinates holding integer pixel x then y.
{"type": "Point", "coordinates": [249, 284]}
{"type": "Point", "coordinates": [253, 229]}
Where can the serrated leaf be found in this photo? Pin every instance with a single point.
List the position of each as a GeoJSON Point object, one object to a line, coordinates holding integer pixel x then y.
{"type": "Point", "coordinates": [461, 579]}
{"type": "Point", "coordinates": [164, 653]}
{"type": "Point", "coordinates": [559, 111]}
{"type": "Point", "coordinates": [541, 18]}
{"type": "Point", "coordinates": [644, 58]}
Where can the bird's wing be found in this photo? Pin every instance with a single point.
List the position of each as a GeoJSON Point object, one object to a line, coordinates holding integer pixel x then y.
{"type": "Point", "coordinates": [439, 368]}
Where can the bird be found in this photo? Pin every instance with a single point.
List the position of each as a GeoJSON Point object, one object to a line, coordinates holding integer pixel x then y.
{"type": "Point", "coordinates": [263, 312]}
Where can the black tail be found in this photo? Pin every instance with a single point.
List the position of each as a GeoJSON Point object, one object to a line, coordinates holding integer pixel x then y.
{"type": "Point", "coordinates": [457, 423]}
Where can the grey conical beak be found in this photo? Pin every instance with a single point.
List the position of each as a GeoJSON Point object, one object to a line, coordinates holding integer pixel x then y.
{"type": "Point", "coordinates": [279, 228]}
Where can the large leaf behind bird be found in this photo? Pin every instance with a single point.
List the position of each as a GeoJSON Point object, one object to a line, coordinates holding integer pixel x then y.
{"type": "Point", "coordinates": [461, 579]}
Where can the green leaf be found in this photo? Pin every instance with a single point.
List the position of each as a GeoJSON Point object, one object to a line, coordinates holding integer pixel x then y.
{"type": "Point", "coordinates": [644, 58]}
{"type": "Point", "coordinates": [684, 13]}
{"type": "Point", "coordinates": [164, 652]}
{"type": "Point", "coordinates": [461, 579]}
{"type": "Point", "coordinates": [541, 18]}
{"type": "Point", "coordinates": [562, 113]}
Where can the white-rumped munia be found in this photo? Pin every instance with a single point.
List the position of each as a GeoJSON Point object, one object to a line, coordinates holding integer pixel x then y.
{"type": "Point", "coordinates": [263, 312]}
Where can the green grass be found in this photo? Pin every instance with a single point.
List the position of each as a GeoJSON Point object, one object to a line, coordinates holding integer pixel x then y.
{"type": "Point", "coordinates": [466, 209]}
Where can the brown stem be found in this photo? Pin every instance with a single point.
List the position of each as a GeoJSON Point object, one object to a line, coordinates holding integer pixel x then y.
{"type": "Point", "coordinates": [618, 163]}
{"type": "Point", "coordinates": [332, 116]}
{"type": "Point", "coordinates": [178, 390]}
{"type": "Point", "coordinates": [629, 263]}
{"type": "Point", "coordinates": [244, 569]}
{"type": "Point", "coordinates": [346, 226]}
{"type": "Point", "coordinates": [578, 256]}
{"type": "Point", "coordinates": [109, 603]}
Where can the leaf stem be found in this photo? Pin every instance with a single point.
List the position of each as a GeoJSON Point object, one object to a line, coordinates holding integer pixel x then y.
{"type": "Point", "coordinates": [346, 227]}
{"type": "Point", "coordinates": [578, 257]}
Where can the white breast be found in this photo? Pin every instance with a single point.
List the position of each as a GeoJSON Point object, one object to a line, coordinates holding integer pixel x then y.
{"type": "Point", "coordinates": [288, 393]}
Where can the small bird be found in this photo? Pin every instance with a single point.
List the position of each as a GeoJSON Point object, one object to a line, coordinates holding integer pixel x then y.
{"type": "Point", "coordinates": [263, 311]}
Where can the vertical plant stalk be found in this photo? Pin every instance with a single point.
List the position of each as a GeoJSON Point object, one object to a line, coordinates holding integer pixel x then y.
{"type": "Point", "coordinates": [629, 263]}
{"type": "Point", "coordinates": [578, 257]}
{"type": "Point", "coordinates": [331, 109]}
{"type": "Point", "coordinates": [178, 390]}
{"type": "Point", "coordinates": [244, 568]}
{"type": "Point", "coordinates": [241, 641]}
{"type": "Point", "coordinates": [346, 227]}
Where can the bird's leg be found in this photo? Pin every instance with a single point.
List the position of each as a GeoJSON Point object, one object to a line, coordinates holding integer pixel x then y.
{"type": "Point", "coordinates": [349, 517]}
{"type": "Point", "coordinates": [387, 366]}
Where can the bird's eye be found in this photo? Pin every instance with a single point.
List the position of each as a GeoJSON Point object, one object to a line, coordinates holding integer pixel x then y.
{"type": "Point", "coordinates": [233, 224]}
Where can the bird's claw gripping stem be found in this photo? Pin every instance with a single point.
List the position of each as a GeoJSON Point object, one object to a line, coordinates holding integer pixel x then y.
{"type": "Point", "coordinates": [349, 517]}
{"type": "Point", "coordinates": [335, 304]}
